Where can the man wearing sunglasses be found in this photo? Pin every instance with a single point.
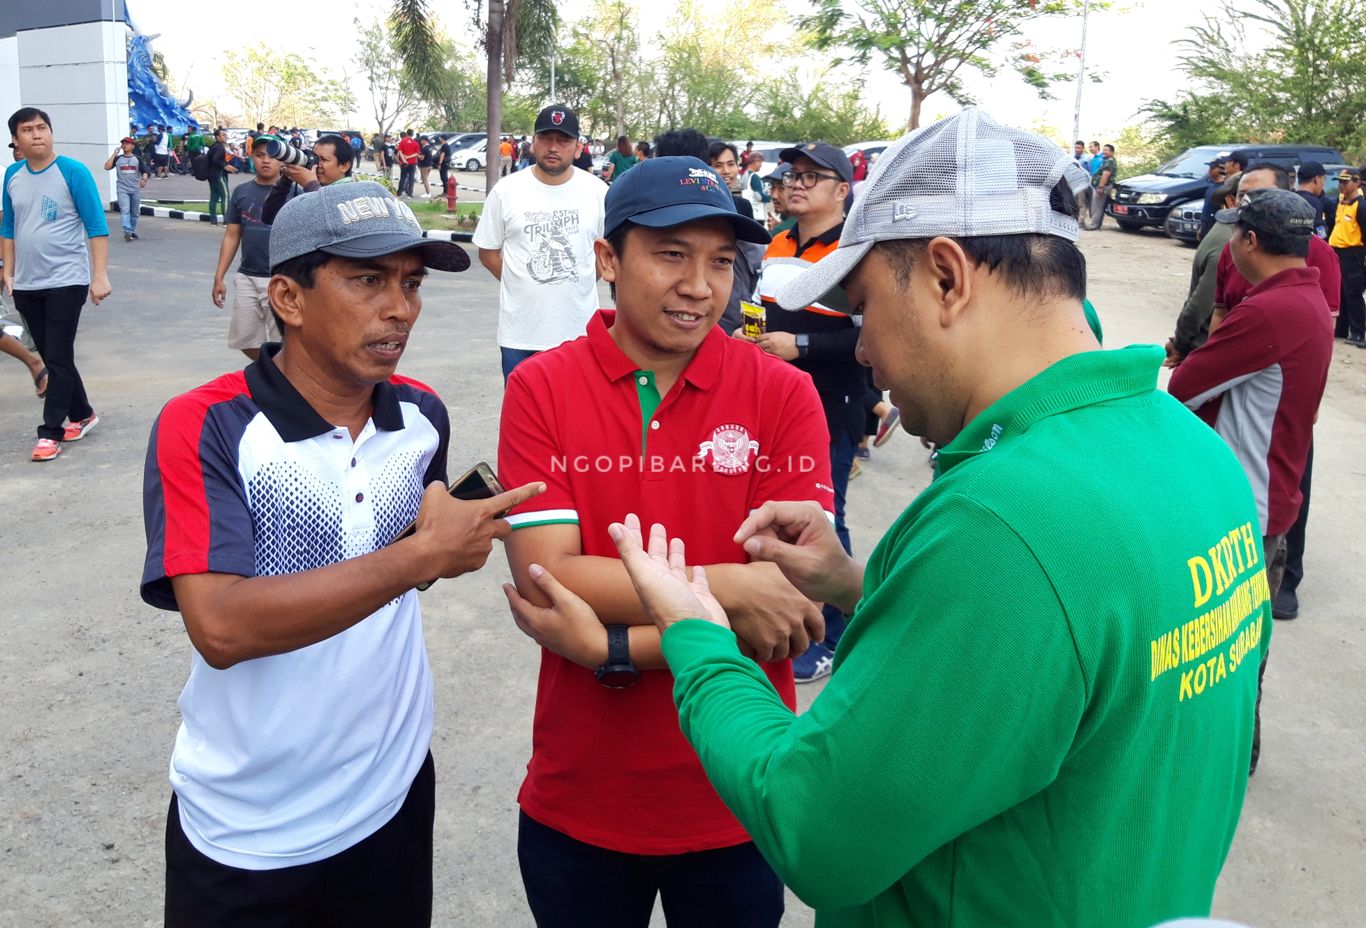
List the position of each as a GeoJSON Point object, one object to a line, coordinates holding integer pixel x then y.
{"type": "Point", "coordinates": [818, 339]}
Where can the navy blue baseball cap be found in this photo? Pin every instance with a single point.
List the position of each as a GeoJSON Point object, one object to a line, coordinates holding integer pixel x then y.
{"type": "Point", "coordinates": [666, 192]}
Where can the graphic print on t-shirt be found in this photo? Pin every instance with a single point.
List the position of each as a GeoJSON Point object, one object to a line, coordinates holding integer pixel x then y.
{"type": "Point", "coordinates": [49, 208]}
{"type": "Point", "coordinates": [548, 233]}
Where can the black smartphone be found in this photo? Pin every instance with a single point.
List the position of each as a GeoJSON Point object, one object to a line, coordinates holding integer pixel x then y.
{"type": "Point", "coordinates": [479, 482]}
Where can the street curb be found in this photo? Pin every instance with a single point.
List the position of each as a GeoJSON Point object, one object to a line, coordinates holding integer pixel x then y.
{"type": "Point", "coordinates": [157, 212]}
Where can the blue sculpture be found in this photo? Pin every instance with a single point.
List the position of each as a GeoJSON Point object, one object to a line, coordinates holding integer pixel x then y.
{"type": "Point", "coordinates": [148, 99]}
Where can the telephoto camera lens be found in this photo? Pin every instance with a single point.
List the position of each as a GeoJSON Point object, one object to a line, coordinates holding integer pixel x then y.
{"type": "Point", "coordinates": [286, 153]}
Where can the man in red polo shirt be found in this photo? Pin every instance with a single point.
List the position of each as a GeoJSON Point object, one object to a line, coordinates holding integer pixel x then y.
{"type": "Point", "coordinates": [409, 151]}
{"type": "Point", "coordinates": [1259, 379]}
{"type": "Point", "coordinates": [654, 411]}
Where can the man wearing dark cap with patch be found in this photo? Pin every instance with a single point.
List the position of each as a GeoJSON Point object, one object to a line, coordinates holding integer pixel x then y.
{"type": "Point", "coordinates": [654, 411]}
{"type": "Point", "coordinates": [818, 339]}
{"type": "Point", "coordinates": [536, 236]}
{"type": "Point", "coordinates": [1309, 185]}
{"type": "Point", "coordinates": [1259, 379]}
{"type": "Point", "coordinates": [1021, 729]}
{"type": "Point", "coordinates": [1346, 239]}
{"type": "Point", "coordinates": [302, 777]}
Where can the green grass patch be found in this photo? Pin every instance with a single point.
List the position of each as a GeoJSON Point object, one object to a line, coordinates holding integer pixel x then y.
{"type": "Point", "coordinates": [431, 215]}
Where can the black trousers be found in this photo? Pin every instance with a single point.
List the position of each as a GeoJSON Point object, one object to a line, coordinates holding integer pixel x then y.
{"type": "Point", "coordinates": [407, 173]}
{"type": "Point", "coordinates": [384, 880]}
{"type": "Point", "coordinates": [1294, 539]}
{"type": "Point", "coordinates": [52, 317]}
{"type": "Point", "coordinates": [570, 884]}
{"type": "Point", "coordinates": [1352, 319]}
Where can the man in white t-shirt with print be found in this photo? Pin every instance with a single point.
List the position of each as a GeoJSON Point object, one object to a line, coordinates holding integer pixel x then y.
{"type": "Point", "coordinates": [536, 236]}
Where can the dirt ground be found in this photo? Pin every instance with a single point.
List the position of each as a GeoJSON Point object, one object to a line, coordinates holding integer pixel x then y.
{"type": "Point", "coordinates": [90, 674]}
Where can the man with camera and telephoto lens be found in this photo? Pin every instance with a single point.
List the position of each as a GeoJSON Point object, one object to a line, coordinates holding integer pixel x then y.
{"type": "Point", "coordinates": [330, 162]}
{"type": "Point", "coordinates": [252, 323]}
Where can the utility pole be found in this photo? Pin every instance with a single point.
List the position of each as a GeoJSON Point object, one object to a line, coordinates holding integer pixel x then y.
{"type": "Point", "coordinates": [1081, 71]}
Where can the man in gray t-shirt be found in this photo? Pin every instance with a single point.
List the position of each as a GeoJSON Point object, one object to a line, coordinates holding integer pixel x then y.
{"type": "Point", "coordinates": [131, 175]}
{"type": "Point", "coordinates": [252, 323]}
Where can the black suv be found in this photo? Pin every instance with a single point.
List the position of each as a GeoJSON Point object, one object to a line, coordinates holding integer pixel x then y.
{"type": "Point", "coordinates": [1172, 197]}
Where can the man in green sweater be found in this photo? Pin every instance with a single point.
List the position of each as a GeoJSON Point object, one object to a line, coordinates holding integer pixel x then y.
{"type": "Point", "coordinates": [1041, 713]}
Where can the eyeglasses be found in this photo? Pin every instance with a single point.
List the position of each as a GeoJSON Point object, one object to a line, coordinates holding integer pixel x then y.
{"type": "Point", "coordinates": [807, 178]}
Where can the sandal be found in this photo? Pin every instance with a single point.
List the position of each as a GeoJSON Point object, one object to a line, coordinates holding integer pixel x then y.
{"type": "Point", "coordinates": [40, 383]}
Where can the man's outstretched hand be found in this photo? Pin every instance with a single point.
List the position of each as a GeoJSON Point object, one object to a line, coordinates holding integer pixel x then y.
{"type": "Point", "coordinates": [800, 539]}
{"type": "Point", "coordinates": [659, 573]}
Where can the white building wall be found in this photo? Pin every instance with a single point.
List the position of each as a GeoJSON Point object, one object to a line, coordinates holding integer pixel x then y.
{"type": "Point", "coordinates": [9, 84]}
{"type": "Point", "coordinates": [79, 76]}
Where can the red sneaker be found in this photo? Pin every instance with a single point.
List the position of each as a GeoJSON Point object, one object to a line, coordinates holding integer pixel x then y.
{"type": "Point", "coordinates": [46, 450]}
{"type": "Point", "coordinates": [76, 430]}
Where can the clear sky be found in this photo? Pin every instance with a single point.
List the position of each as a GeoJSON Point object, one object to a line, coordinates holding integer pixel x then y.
{"type": "Point", "coordinates": [1131, 45]}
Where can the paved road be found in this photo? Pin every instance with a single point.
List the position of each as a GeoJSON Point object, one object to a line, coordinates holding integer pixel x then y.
{"type": "Point", "coordinates": [91, 674]}
{"type": "Point", "coordinates": [183, 187]}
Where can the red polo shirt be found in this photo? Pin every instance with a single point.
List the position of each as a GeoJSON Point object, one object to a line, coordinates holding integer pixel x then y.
{"type": "Point", "coordinates": [610, 767]}
{"type": "Point", "coordinates": [409, 149]}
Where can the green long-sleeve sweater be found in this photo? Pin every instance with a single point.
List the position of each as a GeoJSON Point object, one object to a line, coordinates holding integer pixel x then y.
{"type": "Point", "coordinates": [1041, 713]}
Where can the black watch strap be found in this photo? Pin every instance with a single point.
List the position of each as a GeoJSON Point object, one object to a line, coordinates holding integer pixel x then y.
{"type": "Point", "coordinates": [618, 645]}
{"type": "Point", "coordinates": [617, 672]}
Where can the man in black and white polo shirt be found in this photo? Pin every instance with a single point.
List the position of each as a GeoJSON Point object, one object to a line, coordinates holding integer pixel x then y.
{"type": "Point", "coordinates": [303, 784]}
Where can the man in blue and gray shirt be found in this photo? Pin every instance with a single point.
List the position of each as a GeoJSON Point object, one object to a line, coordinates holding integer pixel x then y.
{"type": "Point", "coordinates": [52, 208]}
{"type": "Point", "coordinates": [132, 177]}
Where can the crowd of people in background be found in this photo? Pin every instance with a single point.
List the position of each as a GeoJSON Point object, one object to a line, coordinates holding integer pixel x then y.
{"type": "Point", "coordinates": [751, 307]}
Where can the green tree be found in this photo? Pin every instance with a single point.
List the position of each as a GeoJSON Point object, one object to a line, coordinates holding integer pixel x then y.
{"type": "Point", "coordinates": [283, 88]}
{"type": "Point", "coordinates": [595, 68]}
{"type": "Point", "coordinates": [461, 97]}
{"type": "Point", "coordinates": [1271, 71]}
{"type": "Point", "coordinates": [932, 44]}
{"type": "Point", "coordinates": [707, 67]}
{"type": "Point", "coordinates": [831, 110]}
{"type": "Point", "coordinates": [393, 99]}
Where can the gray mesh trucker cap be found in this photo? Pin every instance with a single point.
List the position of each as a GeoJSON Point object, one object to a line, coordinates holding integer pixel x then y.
{"type": "Point", "coordinates": [356, 220]}
{"type": "Point", "coordinates": [963, 176]}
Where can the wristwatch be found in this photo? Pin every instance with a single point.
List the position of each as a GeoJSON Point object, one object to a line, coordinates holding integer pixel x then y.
{"type": "Point", "coordinates": [618, 672]}
{"type": "Point", "coordinates": [803, 344]}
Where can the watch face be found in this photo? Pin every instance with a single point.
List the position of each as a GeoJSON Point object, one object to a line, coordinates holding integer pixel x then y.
{"type": "Point", "coordinates": [618, 678]}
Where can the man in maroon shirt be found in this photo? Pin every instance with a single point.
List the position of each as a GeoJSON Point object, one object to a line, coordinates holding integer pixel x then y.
{"type": "Point", "coordinates": [1230, 289]}
{"type": "Point", "coordinates": [1259, 378]}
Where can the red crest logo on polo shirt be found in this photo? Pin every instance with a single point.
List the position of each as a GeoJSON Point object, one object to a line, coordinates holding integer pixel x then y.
{"type": "Point", "coordinates": [730, 448]}
{"type": "Point", "coordinates": [557, 117]}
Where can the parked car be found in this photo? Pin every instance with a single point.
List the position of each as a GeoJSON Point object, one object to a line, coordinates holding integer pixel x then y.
{"type": "Point", "coordinates": [458, 140]}
{"type": "Point", "coordinates": [1172, 197]}
{"type": "Point", "coordinates": [470, 158]}
{"type": "Point", "coordinates": [770, 151]}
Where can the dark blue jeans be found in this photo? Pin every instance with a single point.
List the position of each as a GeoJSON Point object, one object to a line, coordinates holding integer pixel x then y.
{"type": "Point", "coordinates": [842, 450]}
{"type": "Point", "coordinates": [512, 357]}
{"type": "Point", "coordinates": [570, 884]}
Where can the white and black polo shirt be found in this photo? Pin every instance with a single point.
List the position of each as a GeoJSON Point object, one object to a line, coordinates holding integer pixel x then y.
{"type": "Point", "coordinates": [290, 759]}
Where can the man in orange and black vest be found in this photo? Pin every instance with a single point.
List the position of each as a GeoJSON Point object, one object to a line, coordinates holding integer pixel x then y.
{"type": "Point", "coordinates": [819, 339]}
{"type": "Point", "coordinates": [1346, 239]}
